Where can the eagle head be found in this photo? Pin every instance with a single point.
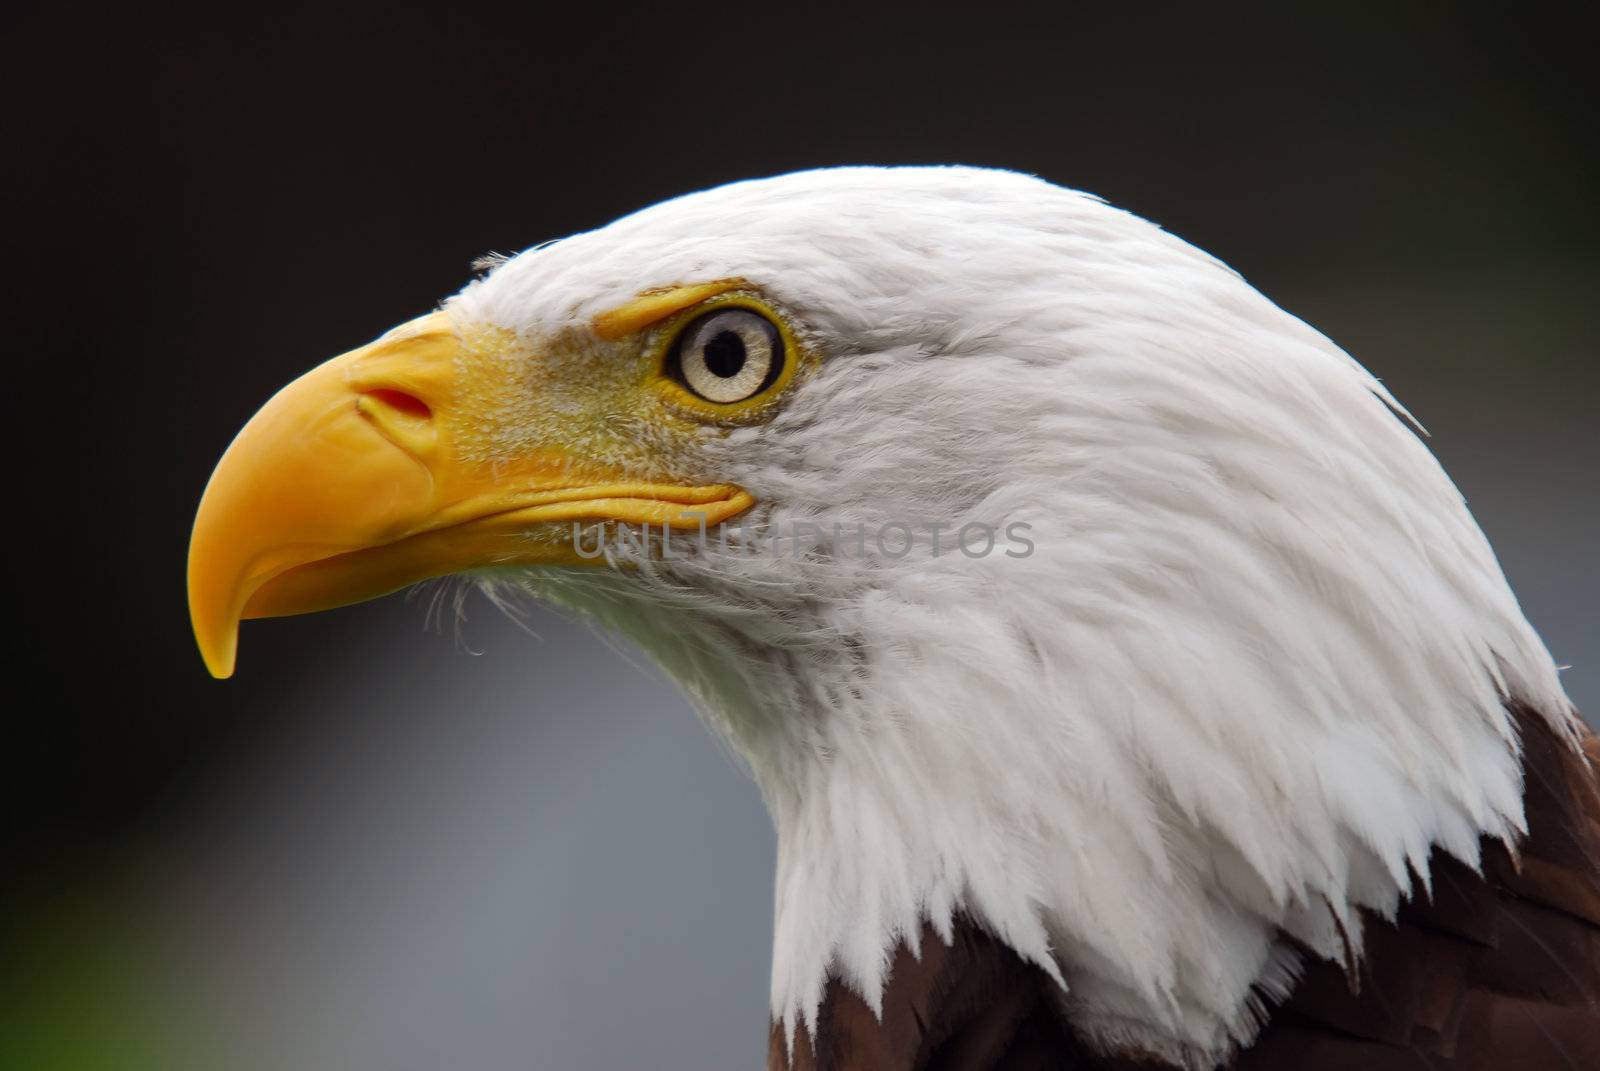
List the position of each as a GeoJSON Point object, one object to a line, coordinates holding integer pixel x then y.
{"type": "Point", "coordinates": [1044, 573]}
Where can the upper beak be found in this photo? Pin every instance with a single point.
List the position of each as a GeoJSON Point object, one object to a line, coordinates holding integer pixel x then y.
{"type": "Point", "coordinates": [351, 483]}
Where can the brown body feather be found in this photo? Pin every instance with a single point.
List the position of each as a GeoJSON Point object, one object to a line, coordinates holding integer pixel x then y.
{"type": "Point", "coordinates": [1498, 972]}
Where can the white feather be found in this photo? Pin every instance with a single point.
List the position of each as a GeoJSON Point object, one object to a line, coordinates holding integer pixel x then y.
{"type": "Point", "coordinates": [1252, 673]}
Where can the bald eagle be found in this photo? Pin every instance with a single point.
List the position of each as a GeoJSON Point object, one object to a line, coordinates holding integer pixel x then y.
{"type": "Point", "coordinates": [1128, 684]}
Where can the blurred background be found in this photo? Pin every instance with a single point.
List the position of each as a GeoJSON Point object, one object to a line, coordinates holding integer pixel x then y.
{"type": "Point", "coordinates": [395, 842]}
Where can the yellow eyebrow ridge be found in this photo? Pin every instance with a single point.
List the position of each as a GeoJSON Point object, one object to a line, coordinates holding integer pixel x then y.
{"type": "Point", "coordinates": [653, 305]}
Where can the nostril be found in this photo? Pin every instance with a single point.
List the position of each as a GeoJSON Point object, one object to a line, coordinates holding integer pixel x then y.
{"type": "Point", "coordinates": [406, 404]}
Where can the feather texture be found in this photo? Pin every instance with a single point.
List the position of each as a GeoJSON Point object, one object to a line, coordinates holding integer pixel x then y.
{"type": "Point", "coordinates": [1493, 972]}
{"type": "Point", "coordinates": [1250, 679]}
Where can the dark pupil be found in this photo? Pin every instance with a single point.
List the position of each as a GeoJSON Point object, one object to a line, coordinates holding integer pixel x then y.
{"type": "Point", "coordinates": [725, 354]}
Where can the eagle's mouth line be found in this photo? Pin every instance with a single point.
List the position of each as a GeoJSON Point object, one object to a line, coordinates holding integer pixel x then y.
{"type": "Point", "coordinates": [667, 505]}
{"type": "Point", "coordinates": [645, 492]}
{"type": "Point", "coordinates": [624, 502]}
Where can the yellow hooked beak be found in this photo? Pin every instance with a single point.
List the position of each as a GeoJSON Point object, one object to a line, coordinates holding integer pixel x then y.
{"type": "Point", "coordinates": [352, 482]}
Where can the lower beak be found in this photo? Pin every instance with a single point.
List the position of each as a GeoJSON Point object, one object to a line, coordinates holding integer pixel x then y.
{"type": "Point", "coordinates": [349, 484]}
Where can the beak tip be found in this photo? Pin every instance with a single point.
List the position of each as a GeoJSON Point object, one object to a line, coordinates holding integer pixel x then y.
{"type": "Point", "coordinates": [219, 655]}
{"type": "Point", "coordinates": [216, 634]}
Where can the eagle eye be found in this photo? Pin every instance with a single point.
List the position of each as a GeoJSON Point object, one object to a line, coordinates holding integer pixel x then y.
{"type": "Point", "coordinates": [728, 355]}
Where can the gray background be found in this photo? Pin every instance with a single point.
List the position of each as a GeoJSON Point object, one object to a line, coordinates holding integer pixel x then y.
{"type": "Point", "coordinates": [389, 846]}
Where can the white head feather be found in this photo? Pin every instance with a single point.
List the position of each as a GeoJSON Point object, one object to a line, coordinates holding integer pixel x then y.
{"type": "Point", "coordinates": [1251, 673]}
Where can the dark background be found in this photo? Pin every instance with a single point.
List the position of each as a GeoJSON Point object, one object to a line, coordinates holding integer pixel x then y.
{"type": "Point", "coordinates": [372, 850]}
